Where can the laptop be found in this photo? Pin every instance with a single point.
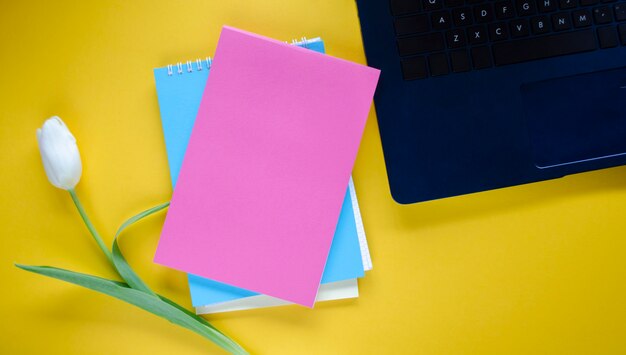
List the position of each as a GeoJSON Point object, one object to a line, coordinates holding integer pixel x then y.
{"type": "Point", "coordinates": [477, 95]}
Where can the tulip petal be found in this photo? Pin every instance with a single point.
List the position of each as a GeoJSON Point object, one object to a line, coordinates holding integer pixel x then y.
{"type": "Point", "coordinates": [59, 154]}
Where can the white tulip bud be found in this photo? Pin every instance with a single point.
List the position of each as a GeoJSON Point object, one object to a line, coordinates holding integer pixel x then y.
{"type": "Point", "coordinates": [59, 153]}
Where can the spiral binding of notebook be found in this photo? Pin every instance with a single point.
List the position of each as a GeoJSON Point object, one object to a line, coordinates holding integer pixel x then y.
{"type": "Point", "coordinates": [200, 64]}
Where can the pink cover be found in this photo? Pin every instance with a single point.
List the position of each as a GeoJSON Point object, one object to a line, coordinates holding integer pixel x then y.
{"type": "Point", "coordinates": [261, 186]}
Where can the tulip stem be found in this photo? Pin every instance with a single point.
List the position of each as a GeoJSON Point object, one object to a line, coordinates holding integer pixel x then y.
{"type": "Point", "coordinates": [90, 226]}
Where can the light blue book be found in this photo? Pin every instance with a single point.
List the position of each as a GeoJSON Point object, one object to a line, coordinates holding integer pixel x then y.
{"type": "Point", "coordinates": [179, 90]}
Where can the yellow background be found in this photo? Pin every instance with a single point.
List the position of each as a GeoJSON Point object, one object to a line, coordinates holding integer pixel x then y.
{"type": "Point", "coordinates": [532, 269]}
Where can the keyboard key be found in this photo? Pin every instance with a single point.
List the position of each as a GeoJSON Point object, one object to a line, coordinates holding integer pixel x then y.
{"type": "Point", "coordinates": [582, 18]}
{"type": "Point", "coordinates": [567, 4]}
{"type": "Point", "coordinates": [483, 13]}
{"type": "Point", "coordinates": [438, 64]}
{"type": "Point", "coordinates": [462, 17]}
{"type": "Point", "coordinates": [620, 12]}
{"type": "Point", "coordinates": [430, 5]}
{"type": "Point", "coordinates": [441, 20]}
{"type": "Point", "coordinates": [561, 22]}
{"type": "Point", "coordinates": [544, 47]}
{"type": "Point", "coordinates": [430, 42]}
{"type": "Point", "coordinates": [459, 61]}
{"type": "Point", "coordinates": [454, 3]}
{"type": "Point", "coordinates": [519, 28]}
{"type": "Point", "coordinates": [588, 2]}
{"type": "Point", "coordinates": [607, 37]}
{"type": "Point", "coordinates": [602, 15]}
{"type": "Point", "coordinates": [622, 33]}
{"type": "Point", "coordinates": [410, 25]}
{"type": "Point", "coordinates": [546, 5]}
{"type": "Point", "coordinates": [401, 7]}
{"type": "Point", "coordinates": [474, 2]}
{"type": "Point", "coordinates": [498, 31]}
{"type": "Point", "coordinates": [540, 25]}
{"type": "Point", "coordinates": [477, 35]}
{"type": "Point", "coordinates": [456, 38]}
{"type": "Point", "coordinates": [414, 68]}
{"type": "Point", "coordinates": [504, 10]}
{"type": "Point", "coordinates": [481, 57]}
{"type": "Point", "coordinates": [526, 7]}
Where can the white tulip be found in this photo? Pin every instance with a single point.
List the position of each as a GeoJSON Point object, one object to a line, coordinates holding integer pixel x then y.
{"type": "Point", "coordinates": [59, 153]}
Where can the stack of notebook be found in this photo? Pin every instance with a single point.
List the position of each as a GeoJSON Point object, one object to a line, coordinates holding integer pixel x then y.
{"type": "Point", "coordinates": [264, 211]}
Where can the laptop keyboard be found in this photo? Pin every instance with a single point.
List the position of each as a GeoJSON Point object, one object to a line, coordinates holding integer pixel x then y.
{"type": "Point", "coordinates": [441, 37]}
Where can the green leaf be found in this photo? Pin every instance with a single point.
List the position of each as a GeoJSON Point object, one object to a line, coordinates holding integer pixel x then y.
{"type": "Point", "coordinates": [191, 314]}
{"type": "Point", "coordinates": [158, 306]}
{"type": "Point", "coordinates": [127, 273]}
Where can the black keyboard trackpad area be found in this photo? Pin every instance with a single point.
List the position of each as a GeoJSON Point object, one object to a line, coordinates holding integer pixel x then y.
{"type": "Point", "coordinates": [577, 118]}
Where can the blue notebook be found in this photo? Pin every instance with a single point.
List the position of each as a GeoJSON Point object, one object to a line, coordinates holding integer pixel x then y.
{"type": "Point", "coordinates": [179, 90]}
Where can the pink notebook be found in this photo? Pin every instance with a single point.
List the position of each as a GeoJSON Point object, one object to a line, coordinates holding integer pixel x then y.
{"type": "Point", "coordinates": [273, 118]}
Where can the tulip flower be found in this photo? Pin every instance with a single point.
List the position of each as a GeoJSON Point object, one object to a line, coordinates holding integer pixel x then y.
{"type": "Point", "coordinates": [61, 162]}
{"type": "Point", "coordinates": [59, 153]}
